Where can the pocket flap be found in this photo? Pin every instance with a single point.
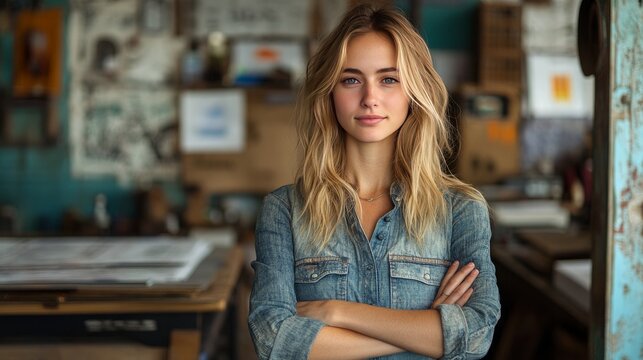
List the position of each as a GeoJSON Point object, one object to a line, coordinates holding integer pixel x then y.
{"type": "Point", "coordinates": [311, 270]}
{"type": "Point", "coordinates": [430, 274]}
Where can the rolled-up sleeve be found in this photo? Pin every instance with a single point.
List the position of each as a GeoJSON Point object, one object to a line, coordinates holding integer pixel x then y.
{"type": "Point", "coordinates": [276, 330]}
{"type": "Point", "coordinates": [468, 330]}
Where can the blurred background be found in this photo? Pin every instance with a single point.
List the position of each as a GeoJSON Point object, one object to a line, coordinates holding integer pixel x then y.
{"type": "Point", "coordinates": [143, 120]}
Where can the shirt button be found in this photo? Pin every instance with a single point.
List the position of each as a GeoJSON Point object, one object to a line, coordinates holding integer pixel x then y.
{"type": "Point", "coordinates": [314, 276]}
{"type": "Point", "coordinates": [369, 267]}
{"type": "Point", "coordinates": [398, 199]}
{"type": "Point", "coordinates": [427, 276]}
{"type": "Point", "coordinates": [380, 236]}
{"type": "Point", "coordinates": [387, 218]}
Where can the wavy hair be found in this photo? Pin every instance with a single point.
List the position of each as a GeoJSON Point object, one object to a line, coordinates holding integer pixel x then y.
{"type": "Point", "coordinates": [422, 140]}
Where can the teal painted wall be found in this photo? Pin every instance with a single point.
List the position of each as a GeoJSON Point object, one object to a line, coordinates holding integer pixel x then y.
{"type": "Point", "coordinates": [447, 24]}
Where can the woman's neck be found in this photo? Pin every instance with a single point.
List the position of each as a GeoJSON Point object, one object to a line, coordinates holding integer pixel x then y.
{"type": "Point", "coordinates": [369, 167]}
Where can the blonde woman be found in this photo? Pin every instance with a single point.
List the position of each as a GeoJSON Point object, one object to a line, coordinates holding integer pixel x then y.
{"type": "Point", "coordinates": [375, 250]}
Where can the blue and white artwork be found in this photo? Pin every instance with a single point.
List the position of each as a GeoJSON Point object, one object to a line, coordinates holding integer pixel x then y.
{"type": "Point", "coordinates": [213, 121]}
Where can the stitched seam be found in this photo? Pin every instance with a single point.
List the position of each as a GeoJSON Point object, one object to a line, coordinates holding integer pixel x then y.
{"type": "Point", "coordinates": [418, 260]}
{"type": "Point", "coordinates": [282, 201]}
{"type": "Point", "coordinates": [312, 260]}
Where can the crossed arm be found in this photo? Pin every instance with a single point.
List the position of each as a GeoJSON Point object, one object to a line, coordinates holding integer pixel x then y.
{"type": "Point", "coordinates": [355, 330]}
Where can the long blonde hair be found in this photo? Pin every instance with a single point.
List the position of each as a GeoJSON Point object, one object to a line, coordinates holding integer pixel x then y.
{"type": "Point", "coordinates": [421, 141]}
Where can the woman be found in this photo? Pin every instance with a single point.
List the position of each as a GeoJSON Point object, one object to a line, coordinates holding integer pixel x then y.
{"type": "Point", "coordinates": [374, 251]}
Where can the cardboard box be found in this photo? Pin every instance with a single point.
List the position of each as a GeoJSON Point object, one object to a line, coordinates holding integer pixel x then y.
{"type": "Point", "coordinates": [489, 136]}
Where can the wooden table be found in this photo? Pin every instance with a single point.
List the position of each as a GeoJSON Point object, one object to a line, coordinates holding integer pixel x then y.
{"type": "Point", "coordinates": [187, 325]}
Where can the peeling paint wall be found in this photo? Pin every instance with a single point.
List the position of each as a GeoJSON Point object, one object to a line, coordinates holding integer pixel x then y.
{"type": "Point", "coordinates": [624, 325]}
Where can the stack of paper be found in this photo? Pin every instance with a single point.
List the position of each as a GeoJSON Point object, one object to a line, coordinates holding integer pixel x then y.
{"type": "Point", "coordinates": [573, 278]}
{"type": "Point", "coordinates": [530, 213]}
{"type": "Point", "coordinates": [99, 260]}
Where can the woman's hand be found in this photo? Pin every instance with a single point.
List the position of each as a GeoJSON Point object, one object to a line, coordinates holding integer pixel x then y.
{"type": "Point", "coordinates": [455, 287]}
{"type": "Point", "coordinates": [322, 310]}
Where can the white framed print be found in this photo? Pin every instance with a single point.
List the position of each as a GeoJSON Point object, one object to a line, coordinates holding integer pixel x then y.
{"type": "Point", "coordinates": [213, 121]}
{"type": "Point", "coordinates": [557, 88]}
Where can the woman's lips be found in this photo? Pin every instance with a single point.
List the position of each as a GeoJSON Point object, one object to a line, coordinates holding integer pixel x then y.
{"type": "Point", "coordinates": [370, 119]}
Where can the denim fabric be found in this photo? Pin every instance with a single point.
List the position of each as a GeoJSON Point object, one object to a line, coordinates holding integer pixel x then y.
{"type": "Point", "coordinates": [390, 270]}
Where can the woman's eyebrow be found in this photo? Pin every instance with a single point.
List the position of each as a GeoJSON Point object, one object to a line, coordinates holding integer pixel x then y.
{"type": "Point", "coordinates": [359, 72]}
{"type": "Point", "coordinates": [386, 70]}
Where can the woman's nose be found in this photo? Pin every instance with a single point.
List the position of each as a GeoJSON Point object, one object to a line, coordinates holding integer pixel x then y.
{"type": "Point", "coordinates": [369, 96]}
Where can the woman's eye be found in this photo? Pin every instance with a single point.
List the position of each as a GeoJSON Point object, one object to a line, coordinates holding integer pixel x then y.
{"type": "Point", "coordinates": [390, 81]}
{"type": "Point", "coordinates": [350, 81]}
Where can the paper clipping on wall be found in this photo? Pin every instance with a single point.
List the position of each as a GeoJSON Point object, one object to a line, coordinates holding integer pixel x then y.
{"type": "Point", "coordinates": [130, 133]}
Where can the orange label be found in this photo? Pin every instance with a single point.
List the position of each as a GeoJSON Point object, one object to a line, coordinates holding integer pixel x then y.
{"type": "Point", "coordinates": [266, 54]}
{"type": "Point", "coordinates": [561, 88]}
{"type": "Point", "coordinates": [505, 133]}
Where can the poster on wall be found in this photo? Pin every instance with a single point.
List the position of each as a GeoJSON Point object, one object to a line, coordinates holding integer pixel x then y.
{"type": "Point", "coordinates": [109, 44]}
{"type": "Point", "coordinates": [123, 116]}
{"type": "Point", "coordinates": [129, 133]}
{"type": "Point", "coordinates": [557, 88]}
{"type": "Point", "coordinates": [253, 17]}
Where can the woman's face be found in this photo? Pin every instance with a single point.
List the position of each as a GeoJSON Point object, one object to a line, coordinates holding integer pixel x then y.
{"type": "Point", "coordinates": [370, 103]}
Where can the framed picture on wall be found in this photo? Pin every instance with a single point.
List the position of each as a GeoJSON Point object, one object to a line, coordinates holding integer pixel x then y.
{"type": "Point", "coordinates": [557, 88]}
{"type": "Point", "coordinates": [213, 121]}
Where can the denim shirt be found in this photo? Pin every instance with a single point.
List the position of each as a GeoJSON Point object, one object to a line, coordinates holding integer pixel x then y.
{"type": "Point", "coordinates": [391, 270]}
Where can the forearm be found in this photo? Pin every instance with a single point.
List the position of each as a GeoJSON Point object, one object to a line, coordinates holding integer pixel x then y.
{"type": "Point", "coordinates": [338, 343]}
{"type": "Point", "coordinates": [418, 331]}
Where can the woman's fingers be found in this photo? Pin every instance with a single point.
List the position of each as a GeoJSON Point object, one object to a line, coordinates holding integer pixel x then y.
{"type": "Point", "coordinates": [450, 271]}
{"type": "Point", "coordinates": [467, 295]}
{"type": "Point", "coordinates": [463, 287]}
{"type": "Point", "coordinates": [455, 287]}
{"type": "Point", "coordinates": [457, 279]}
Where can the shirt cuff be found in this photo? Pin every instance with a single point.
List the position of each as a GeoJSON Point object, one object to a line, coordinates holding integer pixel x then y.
{"type": "Point", "coordinates": [295, 338]}
{"type": "Point", "coordinates": [454, 331]}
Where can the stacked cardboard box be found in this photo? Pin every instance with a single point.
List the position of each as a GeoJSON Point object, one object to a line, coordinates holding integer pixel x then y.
{"type": "Point", "coordinates": [489, 122]}
{"type": "Point", "coordinates": [500, 43]}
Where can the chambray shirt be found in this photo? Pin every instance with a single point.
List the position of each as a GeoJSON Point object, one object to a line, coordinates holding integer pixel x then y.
{"type": "Point", "coordinates": [391, 270]}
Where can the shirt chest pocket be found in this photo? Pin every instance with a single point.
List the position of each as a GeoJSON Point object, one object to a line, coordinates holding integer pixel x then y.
{"type": "Point", "coordinates": [415, 281]}
{"type": "Point", "coordinates": [321, 278]}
